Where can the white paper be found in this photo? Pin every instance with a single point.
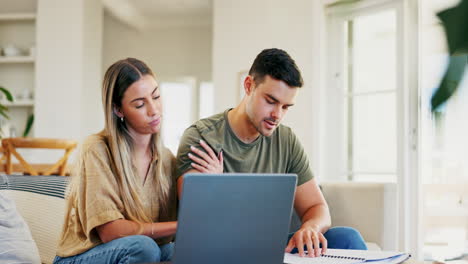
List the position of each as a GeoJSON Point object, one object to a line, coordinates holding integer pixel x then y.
{"type": "Point", "coordinates": [296, 259]}
{"type": "Point", "coordinates": [365, 254]}
{"type": "Point", "coordinates": [346, 256]}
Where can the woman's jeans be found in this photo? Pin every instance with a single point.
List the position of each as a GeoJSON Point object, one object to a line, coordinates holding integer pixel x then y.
{"type": "Point", "coordinates": [341, 238]}
{"type": "Point", "coordinates": [142, 249]}
{"type": "Point", "coordinates": [130, 249]}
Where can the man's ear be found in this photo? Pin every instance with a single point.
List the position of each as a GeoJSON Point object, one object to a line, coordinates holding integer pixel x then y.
{"type": "Point", "coordinates": [117, 111]}
{"type": "Point", "coordinates": [249, 84]}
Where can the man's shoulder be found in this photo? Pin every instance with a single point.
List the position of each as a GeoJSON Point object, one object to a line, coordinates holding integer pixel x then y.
{"type": "Point", "coordinates": [214, 122]}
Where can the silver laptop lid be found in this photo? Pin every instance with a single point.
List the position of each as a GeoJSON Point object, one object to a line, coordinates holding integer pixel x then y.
{"type": "Point", "coordinates": [234, 218]}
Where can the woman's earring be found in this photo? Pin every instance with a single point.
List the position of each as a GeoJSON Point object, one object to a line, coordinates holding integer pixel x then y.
{"type": "Point", "coordinates": [121, 119]}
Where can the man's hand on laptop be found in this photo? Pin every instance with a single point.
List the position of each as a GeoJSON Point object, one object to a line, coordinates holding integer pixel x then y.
{"type": "Point", "coordinates": [310, 238]}
{"type": "Point", "coordinates": [206, 162]}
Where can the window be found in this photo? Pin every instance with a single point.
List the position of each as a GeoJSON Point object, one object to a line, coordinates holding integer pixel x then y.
{"type": "Point", "coordinates": [183, 104]}
{"type": "Point", "coordinates": [370, 96]}
{"type": "Point", "coordinates": [178, 111]}
{"type": "Point", "coordinates": [206, 96]}
{"type": "Point", "coordinates": [365, 94]}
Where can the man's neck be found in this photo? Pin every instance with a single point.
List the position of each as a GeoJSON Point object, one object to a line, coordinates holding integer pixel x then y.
{"type": "Point", "coordinates": [241, 124]}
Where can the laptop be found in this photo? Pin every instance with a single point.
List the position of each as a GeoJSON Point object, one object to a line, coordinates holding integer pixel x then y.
{"type": "Point", "coordinates": [234, 218]}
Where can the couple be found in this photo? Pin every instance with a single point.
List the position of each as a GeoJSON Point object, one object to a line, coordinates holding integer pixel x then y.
{"type": "Point", "coordinates": [122, 201]}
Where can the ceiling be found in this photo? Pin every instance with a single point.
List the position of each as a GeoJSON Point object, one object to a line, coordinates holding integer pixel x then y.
{"type": "Point", "coordinates": [143, 14]}
{"type": "Point", "coordinates": [151, 8]}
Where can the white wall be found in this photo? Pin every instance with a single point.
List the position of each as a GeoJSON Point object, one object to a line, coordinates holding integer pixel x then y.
{"type": "Point", "coordinates": [176, 53]}
{"type": "Point", "coordinates": [243, 28]}
{"type": "Point", "coordinates": [171, 52]}
{"type": "Point", "coordinates": [92, 118]}
{"type": "Point", "coordinates": [69, 34]}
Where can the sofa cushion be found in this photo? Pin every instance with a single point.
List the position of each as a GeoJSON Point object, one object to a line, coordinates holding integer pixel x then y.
{"type": "Point", "coordinates": [53, 186]}
{"type": "Point", "coordinates": [368, 207]}
{"type": "Point", "coordinates": [40, 200]}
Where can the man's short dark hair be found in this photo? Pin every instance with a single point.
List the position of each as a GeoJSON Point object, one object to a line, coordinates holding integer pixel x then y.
{"type": "Point", "coordinates": [279, 65]}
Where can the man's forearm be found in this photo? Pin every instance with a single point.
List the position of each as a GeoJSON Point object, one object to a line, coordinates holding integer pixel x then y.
{"type": "Point", "coordinates": [318, 218]}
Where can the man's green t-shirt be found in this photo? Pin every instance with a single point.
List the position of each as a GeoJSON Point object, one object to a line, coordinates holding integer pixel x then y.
{"type": "Point", "coordinates": [279, 153]}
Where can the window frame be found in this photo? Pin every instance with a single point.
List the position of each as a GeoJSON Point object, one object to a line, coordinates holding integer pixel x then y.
{"type": "Point", "coordinates": [407, 96]}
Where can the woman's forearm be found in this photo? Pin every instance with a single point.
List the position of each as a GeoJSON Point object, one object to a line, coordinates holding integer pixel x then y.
{"type": "Point", "coordinates": [122, 228]}
{"type": "Point", "coordinates": [157, 230]}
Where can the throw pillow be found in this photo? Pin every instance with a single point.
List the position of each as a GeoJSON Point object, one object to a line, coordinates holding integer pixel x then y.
{"type": "Point", "coordinates": [16, 243]}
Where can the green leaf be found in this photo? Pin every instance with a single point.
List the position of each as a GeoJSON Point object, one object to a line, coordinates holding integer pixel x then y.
{"type": "Point", "coordinates": [455, 22]}
{"type": "Point", "coordinates": [450, 82]}
{"type": "Point", "coordinates": [4, 114]}
{"type": "Point", "coordinates": [3, 108]}
{"type": "Point", "coordinates": [7, 93]}
{"type": "Point", "coordinates": [29, 124]}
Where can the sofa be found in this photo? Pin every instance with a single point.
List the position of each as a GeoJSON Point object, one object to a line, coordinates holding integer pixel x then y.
{"type": "Point", "coordinates": [40, 201]}
{"type": "Point", "coordinates": [368, 207]}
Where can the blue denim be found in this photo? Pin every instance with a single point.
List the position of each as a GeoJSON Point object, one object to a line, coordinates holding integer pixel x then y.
{"type": "Point", "coordinates": [341, 238]}
{"type": "Point", "coordinates": [130, 249]}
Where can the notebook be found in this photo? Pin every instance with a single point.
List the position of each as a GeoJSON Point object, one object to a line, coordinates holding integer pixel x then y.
{"type": "Point", "coordinates": [346, 256]}
{"type": "Point", "coordinates": [234, 218]}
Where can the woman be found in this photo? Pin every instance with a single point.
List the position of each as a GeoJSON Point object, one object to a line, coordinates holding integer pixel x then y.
{"type": "Point", "coordinates": [123, 194]}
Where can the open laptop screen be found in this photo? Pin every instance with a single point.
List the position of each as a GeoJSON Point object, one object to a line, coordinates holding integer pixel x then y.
{"type": "Point", "coordinates": [234, 218]}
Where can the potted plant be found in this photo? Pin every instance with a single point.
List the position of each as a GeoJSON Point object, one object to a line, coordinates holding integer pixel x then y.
{"type": "Point", "coordinates": [29, 124]}
{"type": "Point", "coordinates": [3, 108]}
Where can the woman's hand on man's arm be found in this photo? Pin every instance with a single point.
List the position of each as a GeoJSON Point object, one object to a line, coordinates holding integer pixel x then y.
{"type": "Point", "coordinates": [206, 161]}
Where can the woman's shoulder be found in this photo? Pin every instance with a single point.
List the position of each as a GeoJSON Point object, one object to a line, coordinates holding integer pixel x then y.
{"type": "Point", "coordinates": [167, 159]}
{"type": "Point", "coordinates": [167, 155]}
{"type": "Point", "coordinates": [168, 162]}
{"type": "Point", "coordinates": [96, 143]}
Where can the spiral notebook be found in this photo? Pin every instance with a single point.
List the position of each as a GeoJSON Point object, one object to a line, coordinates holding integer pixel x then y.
{"type": "Point", "coordinates": [345, 256]}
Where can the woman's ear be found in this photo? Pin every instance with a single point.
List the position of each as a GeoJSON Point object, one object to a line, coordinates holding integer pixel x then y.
{"type": "Point", "coordinates": [249, 84]}
{"type": "Point", "coordinates": [117, 111]}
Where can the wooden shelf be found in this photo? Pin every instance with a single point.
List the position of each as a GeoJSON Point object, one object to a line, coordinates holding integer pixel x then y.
{"type": "Point", "coordinates": [17, 16]}
{"type": "Point", "coordinates": [18, 28]}
{"type": "Point", "coordinates": [17, 59]}
{"type": "Point", "coordinates": [19, 103]}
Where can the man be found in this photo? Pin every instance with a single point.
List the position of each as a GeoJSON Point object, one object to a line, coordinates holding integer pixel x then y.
{"type": "Point", "coordinates": [250, 138]}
